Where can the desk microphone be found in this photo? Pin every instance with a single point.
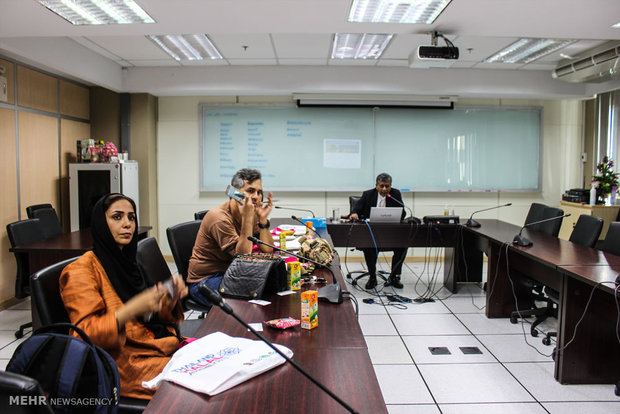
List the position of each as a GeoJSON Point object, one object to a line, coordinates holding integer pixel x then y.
{"type": "Point", "coordinates": [474, 223]}
{"type": "Point", "coordinates": [304, 223]}
{"type": "Point", "coordinates": [296, 209]}
{"type": "Point", "coordinates": [522, 241]}
{"type": "Point", "coordinates": [330, 293]}
{"type": "Point", "coordinates": [402, 205]}
{"type": "Point", "coordinates": [215, 298]}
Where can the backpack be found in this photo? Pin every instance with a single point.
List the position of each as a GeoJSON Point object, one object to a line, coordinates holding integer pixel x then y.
{"type": "Point", "coordinates": [318, 250]}
{"type": "Point", "coordinates": [76, 375]}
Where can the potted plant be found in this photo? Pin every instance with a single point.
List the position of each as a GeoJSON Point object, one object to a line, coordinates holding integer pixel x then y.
{"type": "Point", "coordinates": [605, 178]}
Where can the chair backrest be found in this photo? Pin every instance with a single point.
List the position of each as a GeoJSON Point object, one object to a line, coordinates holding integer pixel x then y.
{"type": "Point", "coordinates": [586, 230]}
{"type": "Point", "coordinates": [46, 293]}
{"type": "Point", "coordinates": [199, 215]}
{"type": "Point", "coordinates": [20, 233]}
{"type": "Point", "coordinates": [14, 385]}
{"type": "Point", "coordinates": [31, 209]}
{"type": "Point", "coordinates": [49, 221]}
{"type": "Point", "coordinates": [353, 200]}
{"type": "Point", "coordinates": [535, 213]}
{"type": "Point", "coordinates": [540, 212]}
{"type": "Point", "coordinates": [611, 244]}
{"type": "Point", "coordinates": [151, 261]}
{"type": "Point", "coordinates": [181, 238]}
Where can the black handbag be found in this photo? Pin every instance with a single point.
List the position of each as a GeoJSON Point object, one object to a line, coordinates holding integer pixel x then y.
{"type": "Point", "coordinates": [252, 276]}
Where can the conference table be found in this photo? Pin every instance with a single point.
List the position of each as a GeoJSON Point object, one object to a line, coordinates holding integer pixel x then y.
{"type": "Point", "coordinates": [335, 353]}
{"type": "Point", "coordinates": [593, 354]}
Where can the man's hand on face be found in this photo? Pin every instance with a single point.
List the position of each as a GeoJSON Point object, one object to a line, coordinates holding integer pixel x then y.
{"type": "Point", "coordinates": [263, 210]}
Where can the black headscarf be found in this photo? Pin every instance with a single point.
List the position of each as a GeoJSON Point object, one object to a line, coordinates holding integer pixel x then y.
{"type": "Point", "coordinates": [120, 264]}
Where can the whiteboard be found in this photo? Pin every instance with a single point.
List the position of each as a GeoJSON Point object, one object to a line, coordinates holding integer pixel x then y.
{"type": "Point", "coordinates": [343, 149]}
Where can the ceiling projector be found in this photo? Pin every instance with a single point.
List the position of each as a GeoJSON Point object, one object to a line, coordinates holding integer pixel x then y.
{"type": "Point", "coordinates": [438, 52]}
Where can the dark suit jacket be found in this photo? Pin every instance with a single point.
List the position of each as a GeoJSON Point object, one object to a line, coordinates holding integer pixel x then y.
{"type": "Point", "coordinates": [369, 199]}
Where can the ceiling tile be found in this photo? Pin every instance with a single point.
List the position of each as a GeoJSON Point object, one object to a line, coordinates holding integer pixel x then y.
{"type": "Point", "coordinates": [303, 62]}
{"type": "Point", "coordinates": [477, 49]}
{"type": "Point", "coordinates": [232, 46]}
{"type": "Point", "coordinates": [393, 62]}
{"type": "Point", "coordinates": [154, 62]}
{"type": "Point", "coordinates": [402, 45]}
{"type": "Point", "coordinates": [130, 47]}
{"type": "Point", "coordinates": [261, 62]}
{"type": "Point", "coordinates": [302, 45]}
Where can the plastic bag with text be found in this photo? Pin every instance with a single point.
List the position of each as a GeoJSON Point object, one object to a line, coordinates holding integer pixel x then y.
{"type": "Point", "coordinates": [217, 362]}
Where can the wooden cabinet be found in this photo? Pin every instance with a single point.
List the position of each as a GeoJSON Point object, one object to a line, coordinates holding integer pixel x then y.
{"type": "Point", "coordinates": [607, 213]}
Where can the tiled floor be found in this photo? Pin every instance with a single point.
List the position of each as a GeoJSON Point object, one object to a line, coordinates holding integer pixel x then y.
{"type": "Point", "coordinates": [507, 376]}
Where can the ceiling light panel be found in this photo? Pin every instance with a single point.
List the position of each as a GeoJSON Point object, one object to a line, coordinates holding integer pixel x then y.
{"type": "Point", "coordinates": [359, 45]}
{"type": "Point", "coordinates": [396, 11]}
{"type": "Point", "coordinates": [93, 12]}
{"type": "Point", "coordinates": [187, 47]}
{"type": "Point", "coordinates": [528, 50]}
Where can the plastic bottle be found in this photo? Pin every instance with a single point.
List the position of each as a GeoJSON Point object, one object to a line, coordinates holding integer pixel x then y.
{"type": "Point", "coordinates": [593, 195]}
{"type": "Point", "coordinates": [309, 232]}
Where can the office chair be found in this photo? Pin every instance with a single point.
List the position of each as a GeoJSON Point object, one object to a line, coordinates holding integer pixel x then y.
{"type": "Point", "coordinates": [199, 215]}
{"type": "Point", "coordinates": [181, 238]}
{"type": "Point", "coordinates": [536, 213]}
{"type": "Point", "coordinates": [611, 244]}
{"type": "Point", "coordinates": [14, 385]}
{"type": "Point", "coordinates": [20, 233]}
{"type": "Point", "coordinates": [49, 219]}
{"type": "Point", "coordinates": [353, 200]}
{"type": "Point", "coordinates": [586, 232]}
{"type": "Point", "coordinates": [51, 309]}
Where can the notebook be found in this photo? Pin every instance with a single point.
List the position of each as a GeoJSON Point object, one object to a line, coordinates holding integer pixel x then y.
{"type": "Point", "coordinates": [385, 214]}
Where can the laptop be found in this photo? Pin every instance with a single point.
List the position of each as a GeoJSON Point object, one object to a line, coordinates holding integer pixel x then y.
{"type": "Point", "coordinates": [385, 214]}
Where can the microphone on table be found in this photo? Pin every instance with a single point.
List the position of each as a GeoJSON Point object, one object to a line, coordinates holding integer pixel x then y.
{"type": "Point", "coordinates": [523, 241]}
{"type": "Point", "coordinates": [330, 293]}
{"type": "Point", "coordinates": [296, 209]}
{"type": "Point", "coordinates": [304, 223]}
{"type": "Point", "coordinates": [215, 298]}
{"type": "Point", "coordinates": [474, 223]}
{"type": "Point", "coordinates": [410, 218]}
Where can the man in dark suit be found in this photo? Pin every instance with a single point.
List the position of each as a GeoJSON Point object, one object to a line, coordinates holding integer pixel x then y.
{"type": "Point", "coordinates": [383, 195]}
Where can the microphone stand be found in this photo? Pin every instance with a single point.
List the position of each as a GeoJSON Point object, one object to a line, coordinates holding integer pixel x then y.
{"type": "Point", "coordinates": [217, 299]}
{"type": "Point", "coordinates": [525, 242]}
{"type": "Point", "coordinates": [308, 227]}
{"type": "Point", "coordinates": [474, 223]}
{"type": "Point", "coordinates": [296, 209]}
{"type": "Point", "coordinates": [401, 203]}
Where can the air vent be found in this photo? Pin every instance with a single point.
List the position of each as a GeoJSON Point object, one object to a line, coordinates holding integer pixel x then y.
{"type": "Point", "coordinates": [597, 65]}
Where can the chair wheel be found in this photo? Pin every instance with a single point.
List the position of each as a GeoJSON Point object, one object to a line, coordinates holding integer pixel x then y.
{"type": "Point", "coordinates": [554, 353]}
{"type": "Point", "coordinates": [534, 333]}
{"type": "Point", "coordinates": [513, 320]}
{"type": "Point", "coordinates": [19, 334]}
{"type": "Point", "coordinates": [546, 341]}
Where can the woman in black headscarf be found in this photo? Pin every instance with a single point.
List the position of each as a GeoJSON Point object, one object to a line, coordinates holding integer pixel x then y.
{"type": "Point", "coordinates": [122, 312]}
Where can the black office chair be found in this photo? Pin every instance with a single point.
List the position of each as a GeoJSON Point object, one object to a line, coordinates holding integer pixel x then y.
{"type": "Point", "coordinates": [586, 232]}
{"type": "Point", "coordinates": [181, 238]}
{"type": "Point", "coordinates": [14, 385]}
{"type": "Point", "coordinates": [611, 244]}
{"type": "Point", "coordinates": [199, 215]}
{"type": "Point", "coordinates": [20, 233]}
{"type": "Point", "coordinates": [51, 309]}
{"type": "Point", "coordinates": [536, 213]}
{"type": "Point", "coordinates": [49, 219]}
{"type": "Point", "coordinates": [353, 200]}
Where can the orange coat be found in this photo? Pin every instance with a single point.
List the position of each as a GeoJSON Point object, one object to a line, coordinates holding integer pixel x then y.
{"type": "Point", "coordinates": [91, 301]}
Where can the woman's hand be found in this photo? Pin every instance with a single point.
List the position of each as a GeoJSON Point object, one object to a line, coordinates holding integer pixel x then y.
{"type": "Point", "coordinates": [145, 302]}
{"type": "Point", "coordinates": [180, 291]}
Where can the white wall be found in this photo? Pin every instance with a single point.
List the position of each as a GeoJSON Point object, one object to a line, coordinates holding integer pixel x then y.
{"type": "Point", "coordinates": [178, 166]}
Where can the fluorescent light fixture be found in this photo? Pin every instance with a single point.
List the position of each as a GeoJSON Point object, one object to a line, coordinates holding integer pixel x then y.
{"type": "Point", "coordinates": [359, 45]}
{"type": "Point", "coordinates": [396, 11]}
{"type": "Point", "coordinates": [86, 12]}
{"type": "Point", "coordinates": [528, 50]}
{"type": "Point", "coordinates": [187, 47]}
{"type": "Point", "coordinates": [616, 26]}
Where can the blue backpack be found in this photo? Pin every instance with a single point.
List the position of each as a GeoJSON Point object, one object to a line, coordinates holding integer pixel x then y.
{"type": "Point", "coordinates": [76, 375]}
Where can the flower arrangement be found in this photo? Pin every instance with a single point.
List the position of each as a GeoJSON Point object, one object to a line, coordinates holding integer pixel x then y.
{"type": "Point", "coordinates": [605, 178]}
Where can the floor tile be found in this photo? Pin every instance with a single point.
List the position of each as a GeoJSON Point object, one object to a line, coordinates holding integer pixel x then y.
{"type": "Point", "coordinates": [480, 324]}
{"type": "Point", "coordinates": [430, 324]}
{"type": "Point", "coordinates": [412, 409]}
{"type": "Point", "coordinates": [3, 364]}
{"type": "Point", "coordinates": [12, 319]}
{"type": "Point", "coordinates": [371, 309]}
{"type": "Point", "coordinates": [418, 308]}
{"type": "Point", "coordinates": [538, 378]}
{"type": "Point", "coordinates": [6, 338]}
{"type": "Point", "coordinates": [597, 407]}
{"type": "Point", "coordinates": [473, 383]}
{"type": "Point", "coordinates": [8, 350]}
{"type": "Point", "coordinates": [418, 346]}
{"type": "Point", "coordinates": [402, 384]}
{"type": "Point", "coordinates": [376, 325]}
{"type": "Point", "coordinates": [513, 348]}
{"type": "Point", "coordinates": [23, 305]}
{"type": "Point", "coordinates": [466, 304]}
{"type": "Point", "coordinates": [387, 350]}
{"type": "Point", "coordinates": [504, 408]}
